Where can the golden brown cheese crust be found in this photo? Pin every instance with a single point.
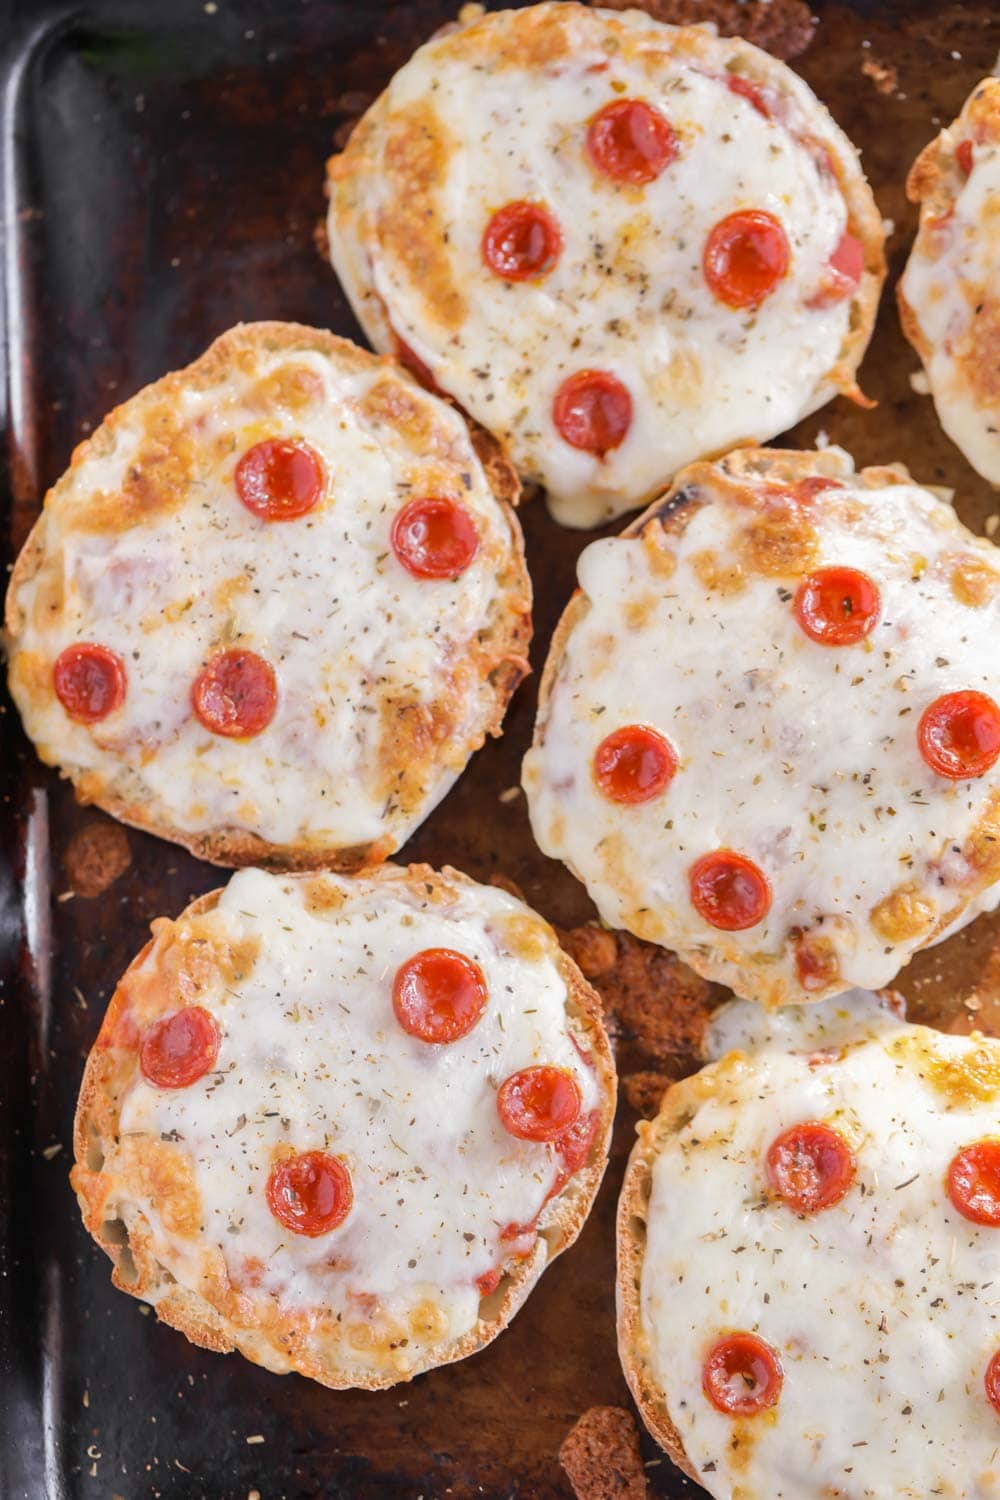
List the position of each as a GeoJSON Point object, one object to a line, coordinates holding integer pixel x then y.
{"type": "Point", "coordinates": [219, 1317]}
{"type": "Point", "coordinates": [418, 739]}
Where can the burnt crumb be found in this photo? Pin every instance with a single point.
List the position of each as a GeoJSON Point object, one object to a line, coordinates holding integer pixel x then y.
{"type": "Point", "coordinates": [644, 1091]}
{"type": "Point", "coordinates": [591, 948]}
{"type": "Point", "coordinates": [657, 1008]}
{"type": "Point", "coordinates": [782, 27]}
{"type": "Point", "coordinates": [95, 857]}
{"type": "Point", "coordinates": [883, 75]}
{"type": "Point", "coordinates": [602, 1458]}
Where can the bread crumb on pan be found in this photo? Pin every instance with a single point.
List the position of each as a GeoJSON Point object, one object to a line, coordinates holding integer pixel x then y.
{"type": "Point", "coordinates": [602, 1458]}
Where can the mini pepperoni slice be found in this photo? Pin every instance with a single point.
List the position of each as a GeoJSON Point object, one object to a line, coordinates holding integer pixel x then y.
{"type": "Point", "coordinates": [634, 764]}
{"type": "Point", "coordinates": [592, 410]}
{"type": "Point", "coordinates": [959, 735]}
{"type": "Point", "coordinates": [539, 1104]}
{"type": "Point", "coordinates": [310, 1193]}
{"type": "Point", "coordinates": [181, 1049]}
{"type": "Point", "coordinates": [522, 241]}
{"type": "Point", "coordinates": [964, 155]}
{"type": "Point", "coordinates": [438, 995]}
{"type": "Point", "coordinates": [434, 538]}
{"type": "Point", "coordinates": [745, 256]}
{"type": "Point", "coordinates": [843, 272]}
{"type": "Point", "coordinates": [89, 681]}
{"type": "Point", "coordinates": [729, 891]}
{"type": "Point", "coordinates": [630, 141]}
{"type": "Point", "coordinates": [810, 1167]}
{"type": "Point", "coordinates": [236, 695]}
{"type": "Point", "coordinates": [837, 606]}
{"type": "Point", "coordinates": [991, 1381]}
{"type": "Point", "coordinates": [974, 1182]}
{"type": "Point", "coordinates": [742, 1375]}
{"type": "Point", "coordinates": [279, 480]}
{"type": "Point", "coordinates": [750, 91]}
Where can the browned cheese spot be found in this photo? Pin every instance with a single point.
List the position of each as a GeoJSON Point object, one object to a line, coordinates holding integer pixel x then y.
{"type": "Point", "coordinates": [974, 582]}
{"type": "Point", "coordinates": [413, 228]}
{"type": "Point", "coordinates": [781, 543]}
{"type": "Point", "coordinates": [159, 1172]}
{"type": "Point", "coordinates": [718, 576]}
{"type": "Point", "coordinates": [904, 915]}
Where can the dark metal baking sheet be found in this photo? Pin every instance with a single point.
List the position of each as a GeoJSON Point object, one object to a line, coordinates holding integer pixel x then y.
{"type": "Point", "coordinates": [162, 166]}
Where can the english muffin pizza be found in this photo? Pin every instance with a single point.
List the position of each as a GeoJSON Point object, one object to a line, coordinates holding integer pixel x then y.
{"type": "Point", "coordinates": [949, 294]}
{"type": "Point", "coordinates": [620, 245]}
{"type": "Point", "coordinates": [807, 1246]}
{"type": "Point", "coordinates": [274, 604]}
{"type": "Point", "coordinates": [343, 1125]}
{"type": "Point", "coordinates": [769, 726]}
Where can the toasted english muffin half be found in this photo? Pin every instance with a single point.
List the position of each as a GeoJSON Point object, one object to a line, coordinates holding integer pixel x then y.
{"type": "Point", "coordinates": [768, 733]}
{"type": "Point", "coordinates": [806, 1250]}
{"type": "Point", "coordinates": [274, 605]}
{"type": "Point", "coordinates": [342, 1124]}
{"type": "Point", "coordinates": [620, 245]}
{"type": "Point", "coordinates": [949, 294]}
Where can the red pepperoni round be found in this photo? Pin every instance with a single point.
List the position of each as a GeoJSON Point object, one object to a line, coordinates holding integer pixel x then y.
{"type": "Point", "coordinates": [810, 1167]}
{"type": "Point", "coordinates": [964, 156]}
{"type": "Point", "coordinates": [538, 1104]}
{"type": "Point", "coordinates": [750, 91]}
{"type": "Point", "coordinates": [974, 1182]}
{"type": "Point", "coordinates": [438, 995]}
{"type": "Point", "coordinates": [745, 257]}
{"type": "Point", "coordinates": [279, 480]}
{"type": "Point", "coordinates": [310, 1194]}
{"type": "Point", "coordinates": [89, 682]}
{"type": "Point", "coordinates": [630, 141]}
{"type": "Point", "coordinates": [742, 1375]}
{"type": "Point", "coordinates": [181, 1049]}
{"type": "Point", "coordinates": [837, 606]}
{"type": "Point", "coordinates": [991, 1381]}
{"type": "Point", "coordinates": [592, 410]}
{"type": "Point", "coordinates": [843, 272]}
{"type": "Point", "coordinates": [634, 764]}
{"type": "Point", "coordinates": [959, 735]}
{"type": "Point", "coordinates": [236, 694]}
{"type": "Point", "coordinates": [434, 538]}
{"type": "Point", "coordinates": [522, 241]}
{"type": "Point", "coordinates": [729, 891]}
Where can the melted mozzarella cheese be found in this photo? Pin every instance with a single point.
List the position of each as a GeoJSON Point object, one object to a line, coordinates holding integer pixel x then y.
{"type": "Point", "coordinates": [802, 757]}
{"type": "Point", "coordinates": [355, 641]}
{"type": "Point", "coordinates": [951, 286]}
{"type": "Point", "coordinates": [628, 294]}
{"type": "Point", "coordinates": [884, 1309]}
{"type": "Point", "coordinates": [741, 1025]}
{"type": "Point", "coordinates": [312, 1058]}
